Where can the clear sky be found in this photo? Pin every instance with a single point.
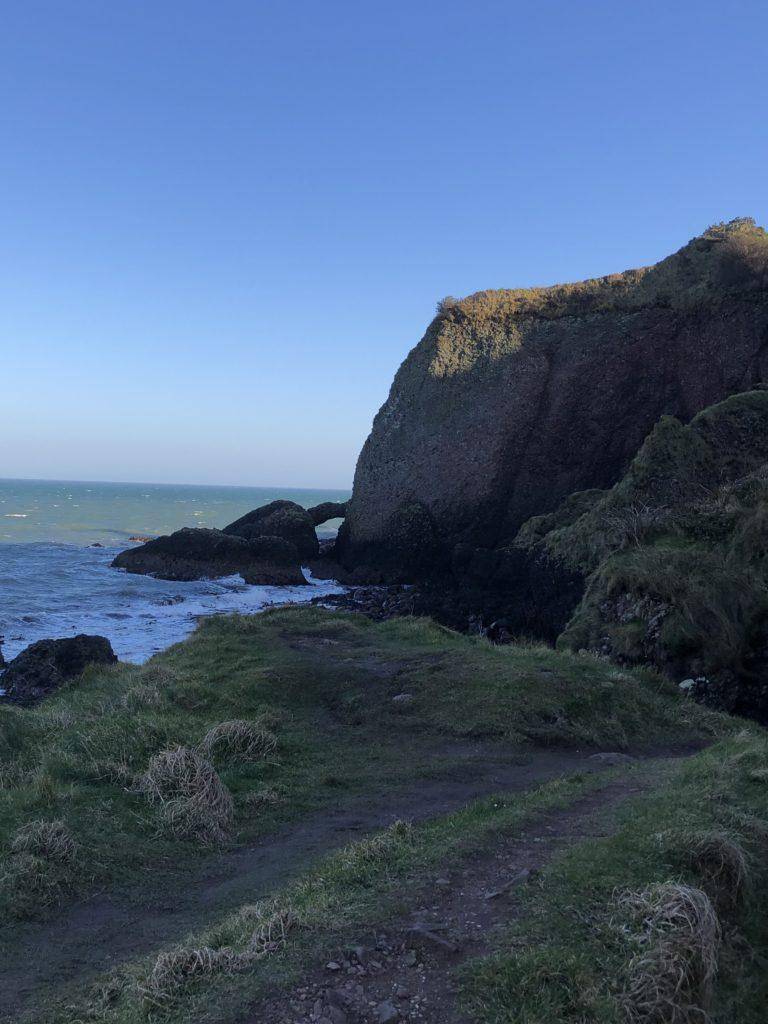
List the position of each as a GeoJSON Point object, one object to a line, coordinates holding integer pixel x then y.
{"type": "Point", "coordinates": [223, 224]}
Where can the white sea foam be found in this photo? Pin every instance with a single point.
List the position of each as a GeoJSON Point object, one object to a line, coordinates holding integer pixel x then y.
{"type": "Point", "coordinates": [57, 590]}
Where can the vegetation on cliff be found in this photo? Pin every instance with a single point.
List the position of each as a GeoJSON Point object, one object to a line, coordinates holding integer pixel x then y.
{"type": "Point", "coordinates": [675, 554]}
{"type": "Point", "coordinates": [726, 259]}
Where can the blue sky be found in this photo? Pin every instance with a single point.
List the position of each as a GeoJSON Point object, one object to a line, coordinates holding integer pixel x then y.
{"type": "Point", "coordinates": [224, 224]}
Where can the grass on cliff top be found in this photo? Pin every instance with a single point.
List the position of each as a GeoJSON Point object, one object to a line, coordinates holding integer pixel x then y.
{"type": "Point", "coordinates": [727, 258]}
{"type": "Point", "coordinates": [257, 720]}
{"type": "Point", "coordinates": [591, 937]}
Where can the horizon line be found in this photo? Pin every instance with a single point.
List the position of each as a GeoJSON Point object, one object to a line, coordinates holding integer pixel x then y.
{"type": "Point", "coordinates": [147, 483]}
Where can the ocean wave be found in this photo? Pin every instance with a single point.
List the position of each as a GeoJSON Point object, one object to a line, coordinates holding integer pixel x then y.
{"type": "Point", "coordinates": [56, 590]}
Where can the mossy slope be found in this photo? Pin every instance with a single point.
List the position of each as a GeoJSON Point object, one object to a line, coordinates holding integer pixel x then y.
{"type": "Point", "coordinates": [306, 696]}
{"type": "Point", "coordinates": [676, 554]}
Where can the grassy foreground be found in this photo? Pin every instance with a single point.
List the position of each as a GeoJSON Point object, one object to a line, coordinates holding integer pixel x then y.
{"type": "Point", "coordinates": [661, 921]}
{"type": "Point", "coordinates": [254, 721]}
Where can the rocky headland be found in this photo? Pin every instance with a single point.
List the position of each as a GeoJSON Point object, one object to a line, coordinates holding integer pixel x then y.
{"type": "Point", "coordinates": [508, 448]}
{"type": "Point", "coordinates": [585, 464]}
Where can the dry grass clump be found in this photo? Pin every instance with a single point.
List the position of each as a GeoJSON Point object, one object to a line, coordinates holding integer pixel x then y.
{"type": "Point", "coordinates": [50, 840]}
{"type": "Point", "coordinates": [174, 969]}
{"type": "Point", "coordinates": [670, 978]}
{"type": "Point", "coordinates": [238, 742]}
{"type": "Point", "coordinates": [720, 862]}
{"type": "Point", "coordinates": [40, 868]}
{"type": "Point", "coordinates": [193, 801]}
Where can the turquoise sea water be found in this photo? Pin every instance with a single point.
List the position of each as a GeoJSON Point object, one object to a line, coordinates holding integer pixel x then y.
{"type": "Point", "coordinates": [71, 512]}
{"type": "Point", "coordinates": [54, 582]}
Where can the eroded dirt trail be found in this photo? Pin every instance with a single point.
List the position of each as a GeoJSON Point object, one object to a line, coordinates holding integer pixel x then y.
{"type": "Point", "coordinates": [406, 971]}
{"type": "Point", "coordinates": [88, 938]}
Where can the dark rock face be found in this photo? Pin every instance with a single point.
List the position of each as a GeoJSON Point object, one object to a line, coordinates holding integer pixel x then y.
{"type": "Point", "coordinates": [515, 399]}
{"type": "Point", "coordinates": [283, 519]}
{"type": "Point", "coordinates": [192, 554]}
{"type": "Point", "coordinates": [321, 513]}
{"type": "Point", "coordinates": [48, 664]}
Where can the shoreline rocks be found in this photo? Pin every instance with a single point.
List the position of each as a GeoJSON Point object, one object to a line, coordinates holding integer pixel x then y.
{"type": "Point", "coordinates": [47, 665]}
{"type": "Point", "coordinates": [284, 519]}
{"type": "Point", "coordinates": [192, 554]}
{"type": "Point", "coordinates": [326, 510]}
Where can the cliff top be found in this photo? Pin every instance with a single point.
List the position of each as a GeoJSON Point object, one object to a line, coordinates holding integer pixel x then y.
{"type": "Point", "coordinates": [727, 258]}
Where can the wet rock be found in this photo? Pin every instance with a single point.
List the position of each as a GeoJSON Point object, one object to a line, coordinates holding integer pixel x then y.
{"type": "Point", "coordinates": [320, 514]}
{"type": "Point", "coordinates": [283, 519]}
{"type": "Point", "coordinates": [191, 554]}
{"type": "Point", "coordinates": [48, 664]}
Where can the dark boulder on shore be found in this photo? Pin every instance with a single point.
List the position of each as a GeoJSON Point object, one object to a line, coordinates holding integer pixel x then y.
{"type": "Point", "coordinates": [46, 665]}
{"type": "Point", "coordinates": [326, 510]}
{"type": "Point", "coordinates": [283, 519]}
{"type": "Point", "coordinates": [193, 554]}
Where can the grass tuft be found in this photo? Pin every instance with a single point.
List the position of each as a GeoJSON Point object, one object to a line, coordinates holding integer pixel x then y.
{"type": "Point", "coordinates": [40, 869]}
{"type": "Point", "coordinates": [238, 742]}
{"type": "Point", "coordinates": [50, 840]}
{"type": "Point", "coordinates": [670, 978]}
{"type": "Point", "coordinates": [193, 801]}
{"type": "Point", "coordinates": [718, 859]}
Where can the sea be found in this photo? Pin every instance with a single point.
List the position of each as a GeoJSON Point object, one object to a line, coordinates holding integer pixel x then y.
{"type": "Point", "coordinates": [57, 539]}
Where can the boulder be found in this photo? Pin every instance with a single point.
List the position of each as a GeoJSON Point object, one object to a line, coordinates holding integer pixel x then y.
{"type": "Point", "coordinates": [190, 554]}
{"type": "Point", "coordinates": [320, 514]}
{"type": "Point", "coordinates": [515, 399]}
{"type": "Point", "coordinates": [46, 665]}
{"type": "Point", "coordinates": [283, 519]}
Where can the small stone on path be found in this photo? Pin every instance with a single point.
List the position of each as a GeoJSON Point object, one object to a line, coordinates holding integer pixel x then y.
{"type": "Point", "coordinates": [386, 1013]}
{"type": "Point", "coordinates": [612, 758]}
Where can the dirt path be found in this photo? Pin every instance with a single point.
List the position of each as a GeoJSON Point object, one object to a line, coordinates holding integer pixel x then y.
{"type": "Point", "coordinates": [93, 936]}
{"type": "Point", "coordinates": [406, 972]}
